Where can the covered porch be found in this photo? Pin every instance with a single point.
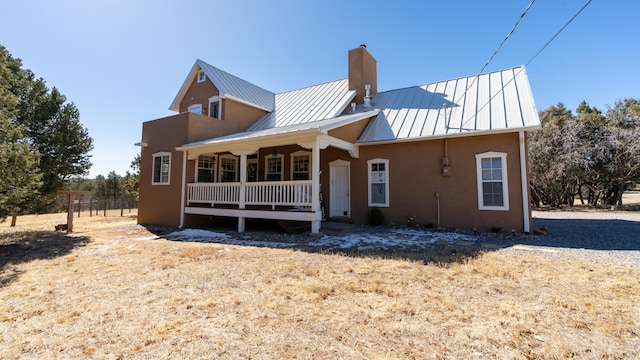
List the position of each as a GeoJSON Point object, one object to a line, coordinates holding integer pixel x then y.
{"type": "Point", "coordinates": [251, 180]}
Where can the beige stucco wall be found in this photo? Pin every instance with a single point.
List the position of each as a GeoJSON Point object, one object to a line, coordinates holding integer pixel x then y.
{"type": "Point", "coordinates": [198, 93]}
{"type": "Point", "coordinates": [415, 176]}
{"type": "Point", "coordinates": [160, 204]}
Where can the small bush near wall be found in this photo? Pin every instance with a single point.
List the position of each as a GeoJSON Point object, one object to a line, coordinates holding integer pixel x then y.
{"type": "Point", "coordinates": [375, 217]}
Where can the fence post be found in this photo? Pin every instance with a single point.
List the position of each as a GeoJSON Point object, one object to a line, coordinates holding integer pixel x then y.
{"type": "Point", "coordinates": [79, 205]}
{"type": "Point", "coordinates": [91, 206]}
{"type": "Point", "coordinates": [121, 205]}
{"type": "Point", "coordinates": [105, 203]}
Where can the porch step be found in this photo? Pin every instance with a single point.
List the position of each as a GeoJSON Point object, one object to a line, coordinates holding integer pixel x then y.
{"type": "Point", "coordinates": [294, 227]}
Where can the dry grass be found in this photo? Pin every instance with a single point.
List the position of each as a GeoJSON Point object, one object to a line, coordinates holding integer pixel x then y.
{"type": "Point", "coordinates": [112, 292]}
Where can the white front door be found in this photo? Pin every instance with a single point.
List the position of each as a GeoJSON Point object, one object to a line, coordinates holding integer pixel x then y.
{"type": "Point", "coordinates": [339, 188]}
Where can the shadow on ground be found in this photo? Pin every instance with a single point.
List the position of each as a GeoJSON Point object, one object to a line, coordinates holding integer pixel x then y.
{"type": "Point", "coordinates": [21, 247]}
{"type": "Point", "coordinates": [587, 234]}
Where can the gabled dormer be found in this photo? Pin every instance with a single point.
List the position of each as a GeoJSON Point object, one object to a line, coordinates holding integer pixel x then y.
{"type": "Point", "coordinates": [207, 89]}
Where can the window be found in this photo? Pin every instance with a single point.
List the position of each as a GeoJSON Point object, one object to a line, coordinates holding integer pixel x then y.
{"type": "Point", "coordinates": [195, 108]}
{"type": "Point", "coordinates": [273, 167]}
{"type": "Point", "coordinates": [301, 165]}
{"type": "Point", "coordinates": [161, 167]}
{"type": "Point", "coordinates": [228, 168]}
{"type": "Point", "coordinates": [378, 182]}
{"type": "Point", "coordinates": [491, 170]}
{"type": "Point", "coordinates": [206, 169]}
{"type": "Point", "coordinates": [252, 168]}
{"type": "Point", "coordinates": [201, 76]}
{"type": "Point", "coordinates": [215, 107]}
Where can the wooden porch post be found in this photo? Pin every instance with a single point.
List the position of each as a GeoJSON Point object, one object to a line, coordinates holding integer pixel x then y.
{"type": "Point", "coordinates": [315, 176]}
{"type": "Point", "coordinates": [243, 180]}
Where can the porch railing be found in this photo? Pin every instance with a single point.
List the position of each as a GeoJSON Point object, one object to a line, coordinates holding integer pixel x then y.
{"type": "Point", "coordinates": [214, 193]}
{"type": "Point", "coordinates": [281, 193]}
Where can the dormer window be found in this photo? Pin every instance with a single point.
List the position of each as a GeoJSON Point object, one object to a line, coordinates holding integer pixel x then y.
{"type": "Point", "coordinates": [195, 108]}
{"type": "Point", "coordinates": [201, 76]}
{"type": "Point", "coordinates": [215, 107]}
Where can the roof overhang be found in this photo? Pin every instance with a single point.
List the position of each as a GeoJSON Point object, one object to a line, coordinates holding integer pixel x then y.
{"type": "Point", "coordinates": [175, 105]}
{"type": "Point", "coordinates": [249, 142]}
{"type": "Point", "coordinates": [452, 135]}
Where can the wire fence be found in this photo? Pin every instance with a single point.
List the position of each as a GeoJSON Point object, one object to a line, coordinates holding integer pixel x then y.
{"type": "Point", "coordinates": [104, 206]}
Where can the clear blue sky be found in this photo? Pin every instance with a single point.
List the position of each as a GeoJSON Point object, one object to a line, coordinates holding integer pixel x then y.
{"type": "Point", "coordinates": [122, 61]}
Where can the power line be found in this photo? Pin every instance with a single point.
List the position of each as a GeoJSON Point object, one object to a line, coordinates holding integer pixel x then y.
{"type": "Point", "coordinates": [497, 49]}
{"type": "Point", "coordinates": [559, 31]}
{"type": "Point", "coordinates": [527, 64]}
{"type": "Point", "coordinates": [508, 35]}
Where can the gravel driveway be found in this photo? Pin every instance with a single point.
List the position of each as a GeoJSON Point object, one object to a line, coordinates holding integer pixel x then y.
{"type": "Point", "coordinates": [598, 236]}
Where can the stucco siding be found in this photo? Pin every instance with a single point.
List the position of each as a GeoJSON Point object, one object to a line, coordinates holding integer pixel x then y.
{"type": "Point", "coordinates": [198, 93]}
{"type": "Point", "coordinates": [160, 204]}
{"type": "Point", "coordinates": [415, 177]}
{"type": "Point", "coordinates": [349, 132]}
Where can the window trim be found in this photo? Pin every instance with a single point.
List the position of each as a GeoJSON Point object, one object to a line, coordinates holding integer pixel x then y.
{"type": "Point", "coordinates": [201, 76]}
{"type": "Point", "coordinates": [386, 182]}
{"type": "Point", "coordinates": [221, 172]}
{"type": "Point", "coordinates": [300, 153]}
{"type": "Point", "coordinates": [160, 154]}
{"type": "Point", "coordinates": [505, 180]}
{"type": "Point", "coordinates": [214, 99]}
{"type": "Point", "coordinates": [215, 167]}
{"type": "Point", "coordinates": [266, 166]}
{"type": "Point", "coordinates": [195, 106]}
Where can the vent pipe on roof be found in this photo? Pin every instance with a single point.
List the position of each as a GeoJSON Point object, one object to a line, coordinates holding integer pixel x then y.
{"type": "Point", "coordinates": [367, 96]}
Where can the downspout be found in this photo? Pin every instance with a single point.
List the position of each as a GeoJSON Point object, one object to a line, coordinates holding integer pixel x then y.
{"type": "Point", "coordinates": [525, 184]}
{"type": "Point", "coordinates": [182, 193]}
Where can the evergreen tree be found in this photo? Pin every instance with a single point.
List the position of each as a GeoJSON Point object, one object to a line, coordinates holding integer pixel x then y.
{"type": "Point", "coordinates": [22, 181]}
{"type": "Point", "coordinates": [51, 125]}
{"type": "Point", "coordinates": [20, 176]}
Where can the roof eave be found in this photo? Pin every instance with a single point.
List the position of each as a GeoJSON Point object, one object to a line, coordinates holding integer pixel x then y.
{"type": "Point", "coordinates": [175, 105]}
{"type": "Point", "coordinates": [237, 99]}
{"type": "Point", "coordinates": [451, 135]}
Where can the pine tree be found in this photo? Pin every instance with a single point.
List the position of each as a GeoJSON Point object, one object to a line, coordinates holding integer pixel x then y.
{"type": "Point", "coordinates": [51, 126]}
{"type": "Point", "coordinates": [22, 181]}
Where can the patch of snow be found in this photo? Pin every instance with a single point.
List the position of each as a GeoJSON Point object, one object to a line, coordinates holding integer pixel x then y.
{"type": "Point", "coordinates": [147, 238]}
{"type": "Point", "coordinates": [401, 238]}
{"type": "Point", "coordinates": [196, 235]}
{"type": "Point", "coordinates": [395, 238]}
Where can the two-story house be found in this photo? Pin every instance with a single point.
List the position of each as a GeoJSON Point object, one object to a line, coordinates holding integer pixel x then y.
{"type": "Point", "coordinates": [451, 153]}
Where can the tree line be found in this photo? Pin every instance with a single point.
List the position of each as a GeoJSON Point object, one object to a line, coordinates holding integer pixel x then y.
{"type": "Point", "coordinates": [113, 186]}
{"type": "Point", "coordinates": [590, 156]}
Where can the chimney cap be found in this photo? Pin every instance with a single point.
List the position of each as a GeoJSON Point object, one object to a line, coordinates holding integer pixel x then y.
{"type": "Point", "coordinates": [363, 46]}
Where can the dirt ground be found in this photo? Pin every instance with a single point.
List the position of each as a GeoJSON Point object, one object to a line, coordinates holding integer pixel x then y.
{"type": "Point", "coordinates": [116, 290]}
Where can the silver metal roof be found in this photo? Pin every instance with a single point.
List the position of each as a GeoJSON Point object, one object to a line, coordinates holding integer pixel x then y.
{"type": "Point", "coordinates": [307, 105]}
{"type": "Point", "coordinates": [495, 102]}
{"type": "Point", "coordinates": [230, 86]}
{"type": "Point", "coordinates": [321, 126]}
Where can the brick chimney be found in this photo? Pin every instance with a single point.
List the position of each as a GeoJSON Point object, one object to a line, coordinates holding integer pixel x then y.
{"type": "Point", "coordinates": [362, 71]}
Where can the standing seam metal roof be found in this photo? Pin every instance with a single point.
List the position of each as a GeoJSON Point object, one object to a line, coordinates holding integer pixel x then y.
{"type": "Point", "coordinates": [498, 101]}
{"type": "Point", "coordinates": [319, 102]}
{"type": "Point", "coordinates": [232, 85]}
{"type": "Point", "coordinates": [229, 86]}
